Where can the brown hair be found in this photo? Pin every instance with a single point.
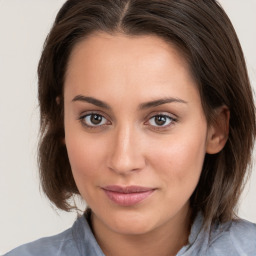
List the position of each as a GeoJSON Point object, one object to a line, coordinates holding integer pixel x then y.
{"type": "Point", "coordinates": [204, 34]}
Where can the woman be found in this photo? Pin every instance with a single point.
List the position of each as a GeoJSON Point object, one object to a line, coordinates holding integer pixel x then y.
{"type": "Point", "coordinates": [147, 113]}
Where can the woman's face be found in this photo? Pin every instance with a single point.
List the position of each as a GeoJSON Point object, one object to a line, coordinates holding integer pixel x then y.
{"type": "Point", "coordinates": [135, 131]}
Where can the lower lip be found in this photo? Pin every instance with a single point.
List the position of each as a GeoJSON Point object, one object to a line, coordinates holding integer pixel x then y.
{"type": "Point", "coordinates": [128, 199]}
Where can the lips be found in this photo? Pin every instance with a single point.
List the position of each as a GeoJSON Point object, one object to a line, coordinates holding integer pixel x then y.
{"type": "Point", "coordinates": [127, 196]}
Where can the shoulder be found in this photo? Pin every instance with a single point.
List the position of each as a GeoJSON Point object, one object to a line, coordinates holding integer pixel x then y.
{"type": "Point", "coordinates": [78, 240]}
{"type": "Point", "coordinates": [61, 244]}
{"type": "Point", "coordinates": [237, 237]}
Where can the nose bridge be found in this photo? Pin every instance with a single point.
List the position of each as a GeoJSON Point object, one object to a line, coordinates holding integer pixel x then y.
{"type": "Point", "coordinates": [125, 155]}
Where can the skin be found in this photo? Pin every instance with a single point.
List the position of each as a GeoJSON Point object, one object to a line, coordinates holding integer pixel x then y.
{"type": "Point", "coordinates": [128, 147]}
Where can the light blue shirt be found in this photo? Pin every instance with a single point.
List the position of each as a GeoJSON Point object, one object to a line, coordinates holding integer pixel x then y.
{"type": "Point", "coordinates": [236, 238]}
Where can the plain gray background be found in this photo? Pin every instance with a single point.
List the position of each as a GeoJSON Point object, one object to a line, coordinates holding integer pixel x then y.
{"type": "Point", "coordinates": [25, 213]}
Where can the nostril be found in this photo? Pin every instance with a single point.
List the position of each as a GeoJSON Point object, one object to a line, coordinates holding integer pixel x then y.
{"type": "Point", "coordinates": [126, 162]}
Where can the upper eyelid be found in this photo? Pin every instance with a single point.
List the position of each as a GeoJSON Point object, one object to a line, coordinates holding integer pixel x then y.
{"type": "Point", "coordinates": [162, 113]}
{"type": "Point", "coordinates": [87, 113]}
{"type": "Point", "coordinates": [174, 119]}
{"type": "Point", "coordinates": [172, 116]}
{"type": "Point", "coordinates": [92, 127]}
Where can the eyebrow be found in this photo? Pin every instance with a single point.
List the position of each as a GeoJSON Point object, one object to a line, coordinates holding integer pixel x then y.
{"type": "Point", "coordinates": [142, 106]}
{"type": "Point", "coordinates": [159, 102]}
{"type": "Point", "coordinates": [91, 100]}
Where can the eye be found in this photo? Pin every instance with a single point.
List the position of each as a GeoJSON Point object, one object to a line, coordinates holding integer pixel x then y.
{"type": "Point", "coordinates": [93, 120]}
{"type": "Point", "coordinates": [161, 120]}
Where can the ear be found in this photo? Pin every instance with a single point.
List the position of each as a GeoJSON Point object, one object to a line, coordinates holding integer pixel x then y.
{"type": "Point", "coordinates": [218, 131]}
{"type": "Point", "coordinates": [57, 100]}
{"type": "Point", "coordinates": [63, 141]}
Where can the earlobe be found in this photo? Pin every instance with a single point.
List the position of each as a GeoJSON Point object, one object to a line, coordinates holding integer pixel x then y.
{"type": "Point", "coordinates": [218, 131]}
{"type": "Point", "coordinates": [58, 100]}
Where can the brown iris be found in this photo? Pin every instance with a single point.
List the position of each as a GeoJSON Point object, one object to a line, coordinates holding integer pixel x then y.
{"type": "Point", "coordinates": [160, 120]}
{"type": "Point", "coordinates": [96, 119]}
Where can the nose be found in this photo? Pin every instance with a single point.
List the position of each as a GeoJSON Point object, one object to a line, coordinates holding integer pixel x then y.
{"type": "Point", "coordinates": [126, 154]}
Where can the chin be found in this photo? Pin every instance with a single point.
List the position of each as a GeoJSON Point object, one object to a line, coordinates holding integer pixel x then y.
{"type": "Point", "coordinates": [131, 223]}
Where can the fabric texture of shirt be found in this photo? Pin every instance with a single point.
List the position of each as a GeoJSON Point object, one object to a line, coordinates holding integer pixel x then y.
{"type": "Point", "coordinates": [235, 238]}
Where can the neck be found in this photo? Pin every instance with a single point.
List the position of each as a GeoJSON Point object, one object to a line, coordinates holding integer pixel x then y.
{"type": "Point", "coordinates": [165, 240]}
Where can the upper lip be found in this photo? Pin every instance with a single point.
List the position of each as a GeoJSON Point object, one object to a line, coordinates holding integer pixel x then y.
{"type": "Point", "coordinates": [126, 189]}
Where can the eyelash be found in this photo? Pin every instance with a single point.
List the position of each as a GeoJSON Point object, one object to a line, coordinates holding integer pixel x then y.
{"type": "Point", "coordinates": [83, 117]}
{"type": "Point", "coordinates": [171, 119]}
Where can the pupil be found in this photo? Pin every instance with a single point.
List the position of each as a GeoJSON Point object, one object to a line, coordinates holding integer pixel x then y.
{"type": "Point", "coordinates": [96, 119]}
{"type": "Point", "coordinates": [160, 120]}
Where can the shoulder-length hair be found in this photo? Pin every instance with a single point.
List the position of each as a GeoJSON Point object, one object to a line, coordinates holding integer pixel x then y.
{"type": "Point", "coordinates": [205, 36]}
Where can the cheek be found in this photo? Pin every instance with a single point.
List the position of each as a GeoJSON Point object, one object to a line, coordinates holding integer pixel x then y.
{"type": "Point", "coordinates": [180, 161]}
{"type": "Point", "coordinates": [85, 160]}
{"type": "Point", "coordinates": [85, 156]}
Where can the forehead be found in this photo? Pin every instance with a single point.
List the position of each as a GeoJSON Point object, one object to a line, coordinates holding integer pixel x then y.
{"type": "Point", "coordinates": [120, 62]}
{"type": "Point", "coordinates": [100, 47]}
{"type": "Point", "coordinates": [120, 41]}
